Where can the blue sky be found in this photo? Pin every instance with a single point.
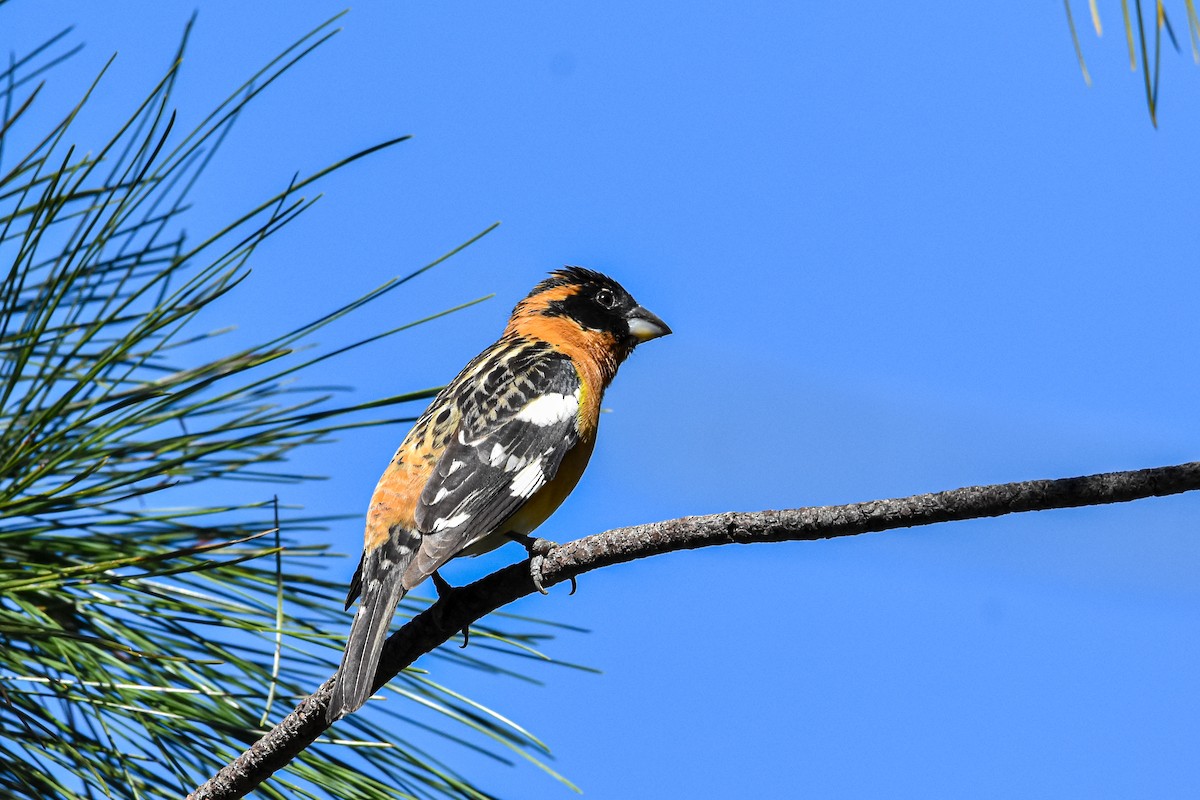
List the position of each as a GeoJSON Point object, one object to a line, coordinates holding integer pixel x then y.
{"type": "Point", "coordinates": [903, 249]}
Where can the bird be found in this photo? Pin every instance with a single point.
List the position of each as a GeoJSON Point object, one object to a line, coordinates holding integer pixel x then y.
{"type": "Point", "coordinates": [494, 454]}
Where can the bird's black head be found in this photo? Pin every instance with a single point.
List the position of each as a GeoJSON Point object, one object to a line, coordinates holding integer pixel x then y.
{"type": "Point", "coordinates": [596, 303]}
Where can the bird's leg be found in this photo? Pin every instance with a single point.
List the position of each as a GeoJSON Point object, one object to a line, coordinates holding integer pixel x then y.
{"type": "Point", "coordinates": [537, 549]}
{"type": "Point", "coordinates": [443, 587]}
{"type": "Point", "coordinates": [445, 590]}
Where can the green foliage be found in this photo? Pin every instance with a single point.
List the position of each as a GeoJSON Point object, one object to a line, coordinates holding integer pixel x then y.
{"type": "Point", "coordinates": [144, 647]}
{"type": "Point", "coordinates": [1150, 62]}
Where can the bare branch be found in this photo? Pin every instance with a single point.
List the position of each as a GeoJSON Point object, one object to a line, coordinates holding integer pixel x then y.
{"type": "Point", "coordinates": [470, 603]}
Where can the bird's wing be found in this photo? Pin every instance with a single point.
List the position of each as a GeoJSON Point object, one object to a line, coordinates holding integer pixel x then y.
{"type": "Point", "coordinates": [515, 429]}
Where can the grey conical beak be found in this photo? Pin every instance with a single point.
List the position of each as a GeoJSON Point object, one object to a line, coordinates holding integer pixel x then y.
{"type": "Point", "coordinates": [645, 325]}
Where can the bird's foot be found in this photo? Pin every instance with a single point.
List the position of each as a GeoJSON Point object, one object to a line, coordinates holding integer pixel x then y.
{"type": "Point", "coordinates": [538, 549]}
{"type": "Point", "coordinates": [444, 591]}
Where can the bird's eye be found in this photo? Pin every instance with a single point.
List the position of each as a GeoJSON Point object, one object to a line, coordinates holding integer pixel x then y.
{"type": "Point", "coordinates": [606, 298]}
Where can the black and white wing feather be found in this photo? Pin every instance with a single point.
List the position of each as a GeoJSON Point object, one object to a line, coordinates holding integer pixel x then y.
{"type": "Point", "coordinates": [517, 424]}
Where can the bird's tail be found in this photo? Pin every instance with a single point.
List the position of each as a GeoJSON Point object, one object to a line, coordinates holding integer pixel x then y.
{"type": "Point", "coordinates": [379, 578]}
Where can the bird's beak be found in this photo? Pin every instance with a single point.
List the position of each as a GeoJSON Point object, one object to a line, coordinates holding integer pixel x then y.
{"type": "Point", "coordinates": [644, 325]}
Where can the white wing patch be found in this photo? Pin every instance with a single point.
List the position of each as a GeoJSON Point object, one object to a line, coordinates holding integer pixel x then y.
{"type": "Point", "coordinates": [550, 409]}
{"type": "Point", "coordinates": [462, 439]}
{"type": "Point", "coordinates": [442, 523]}
{"type": "Point", "coordinates": [528, 480]}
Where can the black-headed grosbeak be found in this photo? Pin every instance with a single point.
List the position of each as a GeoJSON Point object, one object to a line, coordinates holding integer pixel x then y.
{"type": "Point", "coordinates": [495, 453]}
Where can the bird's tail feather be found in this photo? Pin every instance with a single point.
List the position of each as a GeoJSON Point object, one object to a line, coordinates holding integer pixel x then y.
{"type": "Point", "coordinates": [382, 570]}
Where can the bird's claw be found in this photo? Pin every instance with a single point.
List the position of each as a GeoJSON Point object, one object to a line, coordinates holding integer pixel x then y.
{"type": "Point", "coordinates": [538, 549]}
{"type": "Point", "coordinates": [535, 572]}
{"type": "Point", "coordinates": [445, 590]}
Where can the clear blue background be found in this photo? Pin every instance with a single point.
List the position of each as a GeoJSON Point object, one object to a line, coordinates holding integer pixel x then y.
{"type": "Point", "coordinates": [903, 249]}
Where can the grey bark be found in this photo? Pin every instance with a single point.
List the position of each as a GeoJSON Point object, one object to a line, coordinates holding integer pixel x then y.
{"type": "Point", "coordinates": [468, 604]}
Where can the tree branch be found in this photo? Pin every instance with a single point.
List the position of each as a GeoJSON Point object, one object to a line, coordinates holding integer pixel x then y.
{"type": "Point", "coordinates": [426, 631]}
